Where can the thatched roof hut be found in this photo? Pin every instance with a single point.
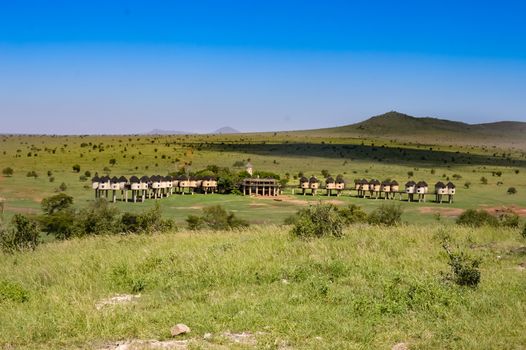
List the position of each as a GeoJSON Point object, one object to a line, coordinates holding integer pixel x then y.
{"type": "Point", "coordinates": [314, 182]}
{"type": "Point", "coordinates": [410, 187]}
{"type": "Point", "coordinates": [451, 188]}
{"type": "Point", "coordinates": [421, 187]}
{"type": "Point", "coordinates": [440, 188]}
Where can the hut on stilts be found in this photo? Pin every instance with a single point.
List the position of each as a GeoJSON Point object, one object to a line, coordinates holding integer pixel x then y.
{"type": "Point", "coordinates": [451, 189]}
{"type": "Point", "coordinates": [263, 187]}
{"type": "Point", "coordinates": [440, 190]}
{"type": "Point", "coordinates": [304, 184]}
{"type": "Point", "coordinates": [410, 188]}
{"type": "Point", "coordinates": [421, 190]}
{"type": "Point", "coordinates": [314, 185]}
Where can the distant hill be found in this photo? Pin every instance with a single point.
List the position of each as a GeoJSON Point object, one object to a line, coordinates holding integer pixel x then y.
{"type": "Point", "coordinates": [395, 125]}
{"type": "Point", "coordinates": [226, 130]}
{"type": "Point", "coordinates": [168, 132]}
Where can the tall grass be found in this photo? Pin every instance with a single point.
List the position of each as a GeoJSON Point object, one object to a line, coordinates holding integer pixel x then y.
{"type": "Point", "coordinates": [370, 289]}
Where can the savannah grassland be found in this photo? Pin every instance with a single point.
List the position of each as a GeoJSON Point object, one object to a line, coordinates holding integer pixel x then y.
{"type": "Point", "coordinates": [371, 289]}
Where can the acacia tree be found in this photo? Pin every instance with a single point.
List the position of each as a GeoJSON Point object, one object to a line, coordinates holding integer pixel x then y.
{"type": "Point", "coordinates": [7, 171]}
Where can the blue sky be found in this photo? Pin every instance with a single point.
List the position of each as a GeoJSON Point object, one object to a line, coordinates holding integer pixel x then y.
{"type": "Point", "coordinates": [132, 66]}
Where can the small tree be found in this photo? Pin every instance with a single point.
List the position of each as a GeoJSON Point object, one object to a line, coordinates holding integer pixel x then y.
{"type": "Point", "coordinates": [353, 214]}
{"type": "Point", "coordinates": [410, 174]}
{"type": "Point", "coordinates": [483, 180]}
{"type": "Point", "coordinates": [76, 168]}
{"type": "Point", "coordinates": [476, 218]}
{"type": "Point", "coordinates": [113, 161]}
{"type": "Point", "coordinates": [23, 234]}
{"type": "Point", "coordinates": [63, 187]}
{"type": "Point", "coordinates": [318, 221]}
{"type": "Point", "coordinates": [8, 171]}
{"type": "Point", "coordinates": [56, 203]}
{"type": "Point", "coordinates": [215, 218]}
{"type": "Point", "coordinates": [464, 269]}
{"type": "Point", "coordinates": [512, 190]}
{"type": "Point", "coordinates": [386, 214]}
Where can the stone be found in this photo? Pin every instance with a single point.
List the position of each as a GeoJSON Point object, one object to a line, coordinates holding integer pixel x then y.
{"type": "Point", "coordinates": [178, 329]}
{"type": "Point", "coordinates": [400, 346]}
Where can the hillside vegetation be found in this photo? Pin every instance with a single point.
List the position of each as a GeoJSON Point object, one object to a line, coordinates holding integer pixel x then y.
{"type": "Point", "coordinates": [373, 288]}
{"type": "Point", "coordinates": [433, 130]}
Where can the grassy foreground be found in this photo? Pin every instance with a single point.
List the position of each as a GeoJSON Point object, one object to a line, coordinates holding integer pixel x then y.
{"type": "Point", "coordinates": [371, 289]}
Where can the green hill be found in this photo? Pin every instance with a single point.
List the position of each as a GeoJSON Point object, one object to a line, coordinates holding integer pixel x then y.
{"type": "Point", "coordinates": [432, 130]}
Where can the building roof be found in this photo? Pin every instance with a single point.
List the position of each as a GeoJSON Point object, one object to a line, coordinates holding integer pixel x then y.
{"type": "Point", "coordinates": [329, 180]}
{"type": "Point", "coordinates": [394, 183]}
{"type": "Point", "coordinates": [134, 179]}
{"type": "Point", "coordinates": [386, 183]}
{"type": "Point", "coordinates": [303, 179]}
{"type": "Point", "coordinates": [145, 179]}
{"type": "Point", "coordinates": [340, 180]}
{"type": "Point", "coordinates": [374, 182]}
{"type": "Point", "coordinates": [440, 184]}
{"type": "Point", "coordinates": [123, 179]}
{"type": "Point", "coordinates": [421, 184]}
{"type": "Point", "coordinates": [450, 185]}
{"type": "Point", "coordinates": [104, 179]}
{"type": "Point", "coordinates": [95, 179]}
{"type": "Point", "coordinates": [182, 178]}
{"type": "Point", "coordinates": [313, 179]}
{"type": "Point", "coordinates": [114, 179]}
{"type": "Point", "coordinates": [410, 183]}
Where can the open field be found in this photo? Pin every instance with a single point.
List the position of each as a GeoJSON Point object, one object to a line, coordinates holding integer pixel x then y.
{"type": "Point", "coordinates": [369, 290]}
{"type": "Point", "coordinates": [286, 154]}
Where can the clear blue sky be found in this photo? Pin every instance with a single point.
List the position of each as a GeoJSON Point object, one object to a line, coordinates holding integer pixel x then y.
{"type": "Point", "coordinates": [89, 66]}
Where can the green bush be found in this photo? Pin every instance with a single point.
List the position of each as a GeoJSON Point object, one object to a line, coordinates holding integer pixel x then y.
{"type": "Point", "coordinates": [61, 224]}
{"type": "Point", "coordinates": [318, 221]}
{"type": "Point", "coordinates": [386, 214]}
{"type": "Point", "coordinates": [508, 219]}
{"type": "Point", "coordinates": [512, 190]}
{"type": "Point", "coordinates": [11, 291]}
{"type": "Point", "coordinates": [476, 218]}
{"type": "Point", "coordinates": [215, 218]}
{"type": "Point", "coordinates": [353, 214]}
{"type": "Point", "coordinates": [99, 218]}
{"type": "Point", "coordinates": [147, 222]}
{"type": "Point", "coordinates": [464, 269]}
{"type": "Point", "coordinates": [7, 171]}
{"type": "Point", "coordinates": [524, 231]}
{"type": "Point", "coordinates": [22, 234]}
{"type": "Point", "coordinates": [58, 202]}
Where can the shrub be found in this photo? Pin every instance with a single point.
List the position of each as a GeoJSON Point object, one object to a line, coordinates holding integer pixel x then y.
{"type": "Point", "coordinates": [87, 173]}
{"type": "Point", "coordinates": [467, 185]}
{"type": "Point", "coordinates": [53, 204]}
{"type": "Point", "coordinates": [216, 218]}
{"type": "Point", "coordinates": [82, 178]}
{"type": "Point", "coordinates": [524, 231]}
{"type": "Point", "coordinates": [62, 224]}
{"type": "Point", "coordinates": [63, 187]}
{"type": "Point", "coordinates": [464, 269]}
{"type": "Point", "coordinates": [318, 221]}
{"type": "Point", "coordinates": [386, 214]}
{"type": "Point", "coordinates": [32, 173]}
{"type": "Point", "coordinates": [98, 218]}
{"type": "Point", "coordinates": [483, 180]}
{"type": "Point", "coordinates": [476, 218]}
{"type": "Point", "coordinates": [512, 190]}
{"type": "Point", "coordinates": [7, 171]}
{"type": "Point", "coordinates": [76, 168]}
{"type": "Point", "coordinates": [22, 234]}
{"type": "Point", "coordinates": [11, 291]}
{"type": "Point", "coordinates": [353, 214]}
{"type": "Point", "coordinates": [147, 222]}
{"type": "Point", "coordinates": [508, 219]}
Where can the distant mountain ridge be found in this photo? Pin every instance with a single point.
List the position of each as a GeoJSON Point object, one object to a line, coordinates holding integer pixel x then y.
{"type": "Point", "coordinates": [402, 126]}
{"type": "Point", "coordinates": [223, 130]}
{"type": "Point", "coordinates": [226, 130]}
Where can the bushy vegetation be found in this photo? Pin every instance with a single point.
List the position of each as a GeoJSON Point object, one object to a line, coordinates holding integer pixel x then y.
{"type": "Point", "coordinates": [464, 268]}
{"type": "Point", "coordinates": [476, 218]}
{"type": "Point", "coordinates": [100, 217]}
{"type": "Point", "coordinates": [215, 218]}
{"type": "Point", "coordinates": [8, 171]}
{"type": "Point", "coordinates": [386, 214]}
{"type": "Point", "coordinates": [352, 214]}
{"type": "Point", "coordinates": [320, 220]}
{"type": "Point", "coordinates": [22, 234]}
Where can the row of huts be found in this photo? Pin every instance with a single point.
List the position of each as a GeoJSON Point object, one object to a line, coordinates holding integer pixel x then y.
{"type": "Point", "coordinates": [374, 188]}
{"type": "Point", "coordinates": [155, 186]}
{"type": "Point", "coordinates": [158, 186]}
